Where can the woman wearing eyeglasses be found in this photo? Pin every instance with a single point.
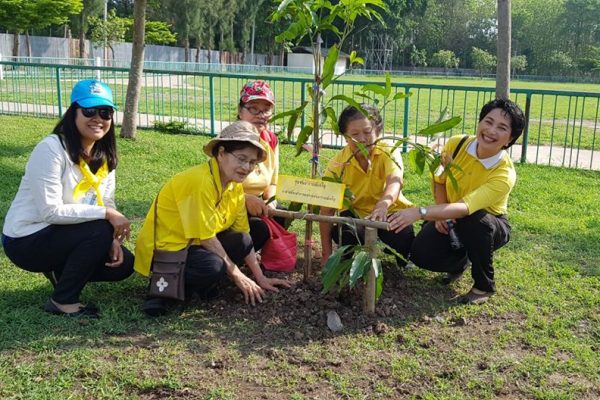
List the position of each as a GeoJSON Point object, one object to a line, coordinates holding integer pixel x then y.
{"type": "Point", "coordinates": [63, 221]}
{"type": "Point", "coordinates": [204, 208]}
{"type": "Point", "coordinates": [256, 106]}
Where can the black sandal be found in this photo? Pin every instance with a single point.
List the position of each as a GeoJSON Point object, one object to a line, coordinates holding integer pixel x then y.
{"type": "Point", "coordinates": [89, 311]}
{"type": "Point", "coordinates": [155, 306]}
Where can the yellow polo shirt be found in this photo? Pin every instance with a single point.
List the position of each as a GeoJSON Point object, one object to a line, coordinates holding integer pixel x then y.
{"type": "Point", "coordinates": [368, 186]}
{"type": "Point", "coordinates": [192, 205]}
{"type": "Point", "coordinates": [265, 174]}
{"type": "Point", "coordinates": [479, 187]}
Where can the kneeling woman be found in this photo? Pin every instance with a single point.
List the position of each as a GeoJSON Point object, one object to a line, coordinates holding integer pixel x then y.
{"type": "Point", "coordinates": [63, 221]}
{"type": "Point", "coordinates": [375, 180]}
{"type": "Point", "coordinates": [205, 206]}
{"type": "Point", "coordinates": [477, 205]}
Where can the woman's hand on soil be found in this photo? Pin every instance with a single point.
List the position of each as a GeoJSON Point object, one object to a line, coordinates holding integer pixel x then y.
{"type": "Point", "coordinates": [272, 283]}
{"type": "Point", "coordinates": [252, 292]}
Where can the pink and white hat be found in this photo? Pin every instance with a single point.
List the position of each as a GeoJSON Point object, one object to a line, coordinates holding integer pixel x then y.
{"type": "Point", "coordinates": [257, 90]}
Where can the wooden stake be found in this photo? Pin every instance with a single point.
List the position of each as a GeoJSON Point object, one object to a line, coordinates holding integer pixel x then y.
{"type": "Point", "coordinates": [369, 295]}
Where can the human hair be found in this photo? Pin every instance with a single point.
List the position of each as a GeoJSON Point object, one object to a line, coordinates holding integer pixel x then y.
{"type": "Point", "coordinates": [229, 146]}
{"type": "Point", "coordinates": [514, 112]}
{"type": "Point", "coordinates": [104, 149]}
{"type": "Point", "coordinates": [351, 113]}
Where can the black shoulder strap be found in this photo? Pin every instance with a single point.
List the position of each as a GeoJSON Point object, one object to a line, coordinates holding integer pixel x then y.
{"type": "Point", "coordinates": [457, 149]}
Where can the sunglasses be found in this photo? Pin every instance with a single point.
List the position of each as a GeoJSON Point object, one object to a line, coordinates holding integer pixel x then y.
{"type": "Point", "coordinates": [105, 113]}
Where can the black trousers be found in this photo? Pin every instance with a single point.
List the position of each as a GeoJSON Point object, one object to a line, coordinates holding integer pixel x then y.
{"type": "Point", "coordinates": [205, 269]}
{"type": "Point", "coordinates": [481, 234]}
{"type": "Point", "coordinates": [76, 253]}
{"type": "Point", "coordinates": [400, 241]}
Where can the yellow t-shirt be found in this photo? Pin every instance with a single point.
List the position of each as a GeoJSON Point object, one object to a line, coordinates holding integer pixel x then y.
{"type": "Point", "coordinates": [266, 172]}
{"type": "Point", "coordinates": [478, 187]}
{"type": "Point", "coordinates": [192, 205]}
{"type": "Point", "coordinates": [368, 186]}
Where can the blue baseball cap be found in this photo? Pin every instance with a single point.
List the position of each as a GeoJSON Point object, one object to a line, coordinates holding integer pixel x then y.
{"type": "Point", "coordinates": [92, 93]}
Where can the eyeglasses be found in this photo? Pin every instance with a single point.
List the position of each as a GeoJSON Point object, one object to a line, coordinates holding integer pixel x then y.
{"type": "Point", "coordinates": [243, 160]}
{"type": "Point", "coordinates": [105, 113]}
{"type": "Point", "coordinates": [255, 111]}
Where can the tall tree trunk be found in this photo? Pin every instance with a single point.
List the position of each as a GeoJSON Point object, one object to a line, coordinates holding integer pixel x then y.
{"type": "Point", "coordinates": [186, 47]}
{"type": "Point", "coordinates": [15, 51]}
{"type": "Point", "coordinates": [135, 72]}
{"type": "Point", "coordinates": [82, 37]}
{"type": "Point", "coordinates": [503, 50]}
{"type": "Point", "coordinates": [28, 43]}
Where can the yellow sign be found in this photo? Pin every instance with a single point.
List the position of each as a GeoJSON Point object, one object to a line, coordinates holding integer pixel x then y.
{"type": "Point", "coordinates": [310, 191]}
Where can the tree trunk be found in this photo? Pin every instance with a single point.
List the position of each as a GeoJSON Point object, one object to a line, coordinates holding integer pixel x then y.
{"type": "Point", "coordinates": [186, 47]}
{"type": "Point", "coordinates": [135, 72]}
{"type": "Point", "coordinates": [503, 50]}
{"type": "Point", "coordinates": [28, 43]}
{"type": "Point", "coordinates": [82, 37]}
{"type": "Point", "coordinates": [15, 51]}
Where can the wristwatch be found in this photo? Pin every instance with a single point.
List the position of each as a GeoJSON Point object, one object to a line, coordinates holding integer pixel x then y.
{"type": "Point", "coordinates": [423, 212]}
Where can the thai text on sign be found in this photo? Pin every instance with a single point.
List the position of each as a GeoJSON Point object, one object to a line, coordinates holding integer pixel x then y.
{"type": "Point", "coordinates": [310, 191]}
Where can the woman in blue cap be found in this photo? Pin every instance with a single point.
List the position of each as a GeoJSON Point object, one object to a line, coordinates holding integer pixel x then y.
{"type": "Point", "coordinates": [63, 221]}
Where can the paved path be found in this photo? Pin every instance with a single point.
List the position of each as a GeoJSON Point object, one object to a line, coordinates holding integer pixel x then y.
{"type": "Point", "coordinates": [543, 155]}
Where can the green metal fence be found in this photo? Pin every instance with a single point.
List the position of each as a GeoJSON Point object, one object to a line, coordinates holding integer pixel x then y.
{"type": "Point", "coordinates": [562, 126]}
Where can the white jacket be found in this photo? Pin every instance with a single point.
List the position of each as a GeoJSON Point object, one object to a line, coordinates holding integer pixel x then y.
{"type": "Point", "coordinates": [45, 195]}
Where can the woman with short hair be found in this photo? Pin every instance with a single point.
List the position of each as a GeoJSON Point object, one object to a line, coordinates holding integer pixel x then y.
{"type": "Point", "coordinates": [477, 205]}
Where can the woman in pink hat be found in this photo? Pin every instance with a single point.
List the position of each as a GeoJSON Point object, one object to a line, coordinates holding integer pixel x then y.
{"type": "Point", "coordinates": [256, 106]}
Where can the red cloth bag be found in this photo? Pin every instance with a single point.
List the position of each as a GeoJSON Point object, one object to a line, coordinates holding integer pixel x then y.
{"type": "Point", "coordinates": [279, 252]}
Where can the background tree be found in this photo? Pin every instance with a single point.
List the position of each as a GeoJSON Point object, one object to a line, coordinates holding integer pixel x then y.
{"type": "Point", "coordinates": [418, 58]}
{"type": "Point", "coordinates": [482, 61]}
{"type": "Point", "coordinates": [184, 16]}
{"type": "Point", "coordinates": [23, 15]}
{"type": "Point", "coordinates": [445, 59]}
{"type": "Point", "coordinates": [518, 63]}
{"type": "Point", "coordinates": [109, 32]}
{"type": "Point", "coordinates": [80, 25]}
{"type": "Point", "coordinates": [134, 85]}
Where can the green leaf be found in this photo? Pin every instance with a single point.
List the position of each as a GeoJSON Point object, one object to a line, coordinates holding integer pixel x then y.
{"type": "Point", "coordinates": [363, 149]}
{"type": "Point", "coordinates": [364, 96]}
{"type": "Point", "coordinates": [401, 95]}
{"type": "Point", "coordinates": [350, 101]}
{"type": "Point", "coordinates": [283, 5]}
{"type": "Point", "coordinates": [388, 85]}
{"type": "Point", "coordinates": [440, 126]}
{"type": "Point", "coordinates": [375, 88]}
{"type": "Point", "coordinates": [417, 160]}
{"type": "Point", "coordinates": [329, 65]}
{"type": "Point", "coordinates": [360, 266]}
{"type": "Point", "coordinates": [332, 120]}
{"type": "Point", "coordinates": [443, 115]}
{"type": "Point", "coordinates": [355, 60]}
{"type": "Point", "coordinates": [376, 264]}
{"type": "Point", "coordinates": [334, 268]}
{"type": "Point", "coordinates": [294, 119]}
{"type": "Point", "coordinates": [302, 138]}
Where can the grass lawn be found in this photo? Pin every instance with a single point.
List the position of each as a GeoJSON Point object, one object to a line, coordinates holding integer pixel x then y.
{"type": "Point", "coordinates": [538, 338]}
